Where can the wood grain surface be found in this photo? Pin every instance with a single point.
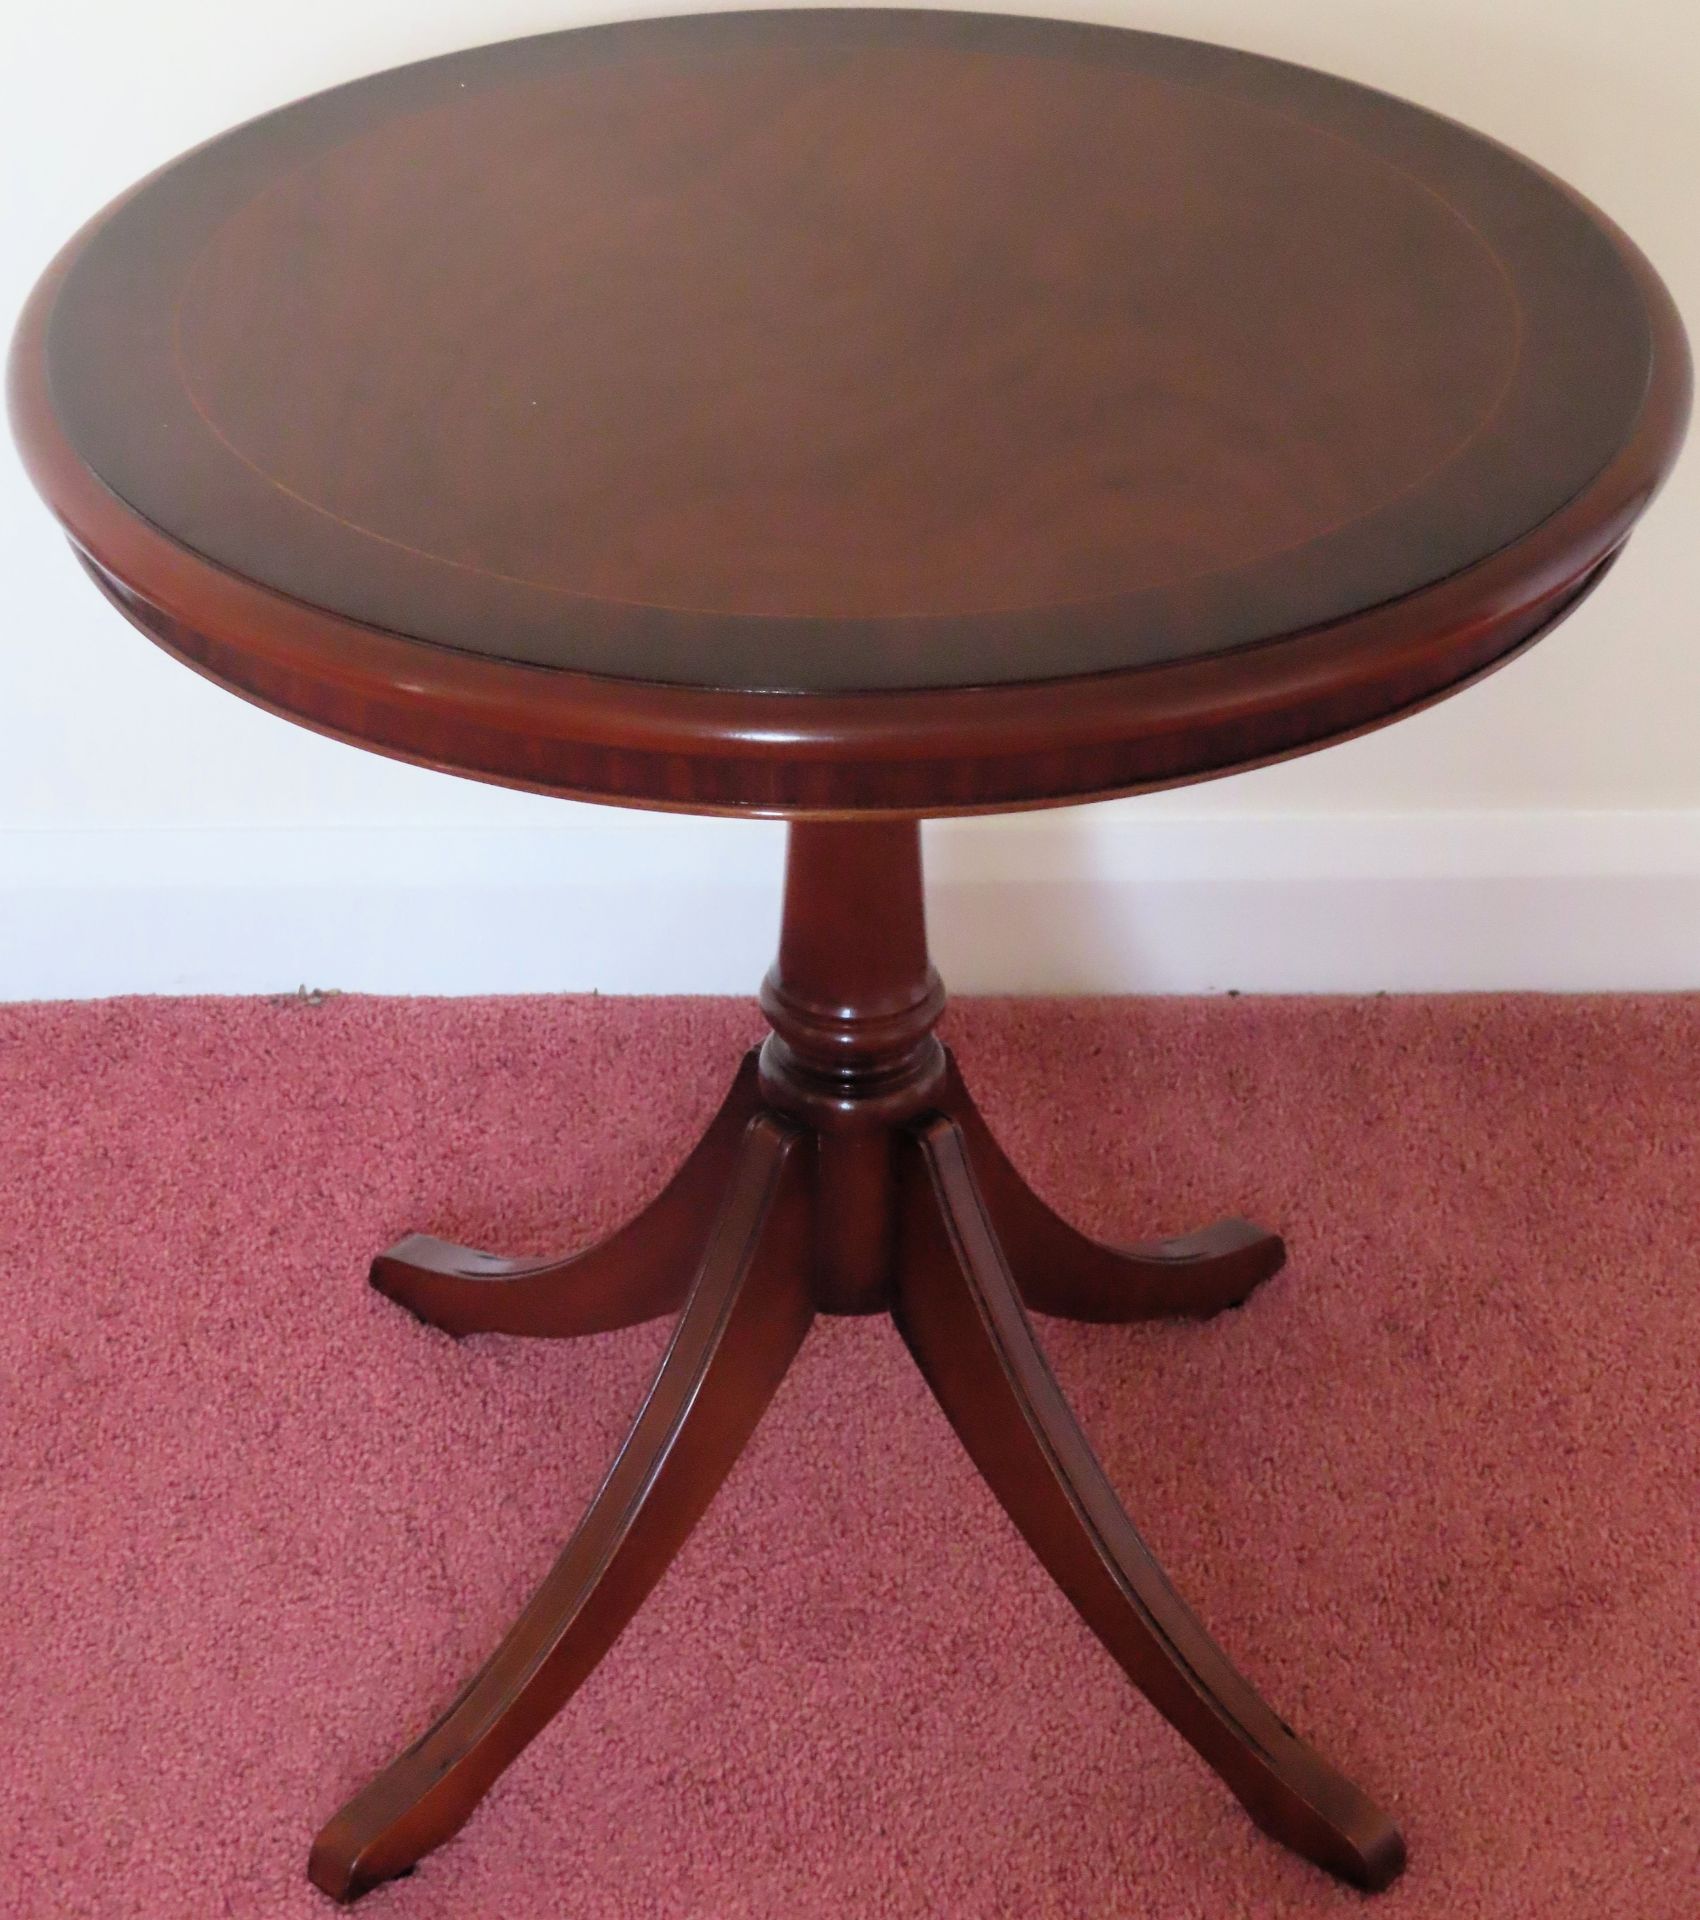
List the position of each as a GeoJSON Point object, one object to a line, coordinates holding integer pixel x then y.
{"type": "Point", "coordinates": [848, 411]}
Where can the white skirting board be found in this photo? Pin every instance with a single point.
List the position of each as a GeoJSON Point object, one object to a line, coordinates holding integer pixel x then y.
{"type": "Point", "coordinates": [1095, 901]}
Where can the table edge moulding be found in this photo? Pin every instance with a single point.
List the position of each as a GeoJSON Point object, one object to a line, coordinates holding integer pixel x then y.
{"type": "Point", "coordinates": [916, 751]}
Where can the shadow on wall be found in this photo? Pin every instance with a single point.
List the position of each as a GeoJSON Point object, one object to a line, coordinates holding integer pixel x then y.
{"type": "Point", "coordinates": [1072, 909]}
{"type": "Point", "coordinates": [1451, 933]}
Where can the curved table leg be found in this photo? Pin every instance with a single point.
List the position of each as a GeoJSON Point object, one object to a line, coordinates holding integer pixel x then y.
{"type": "Point", "coordinates": [959, 1311]}
{"type": "Point", "coordinates": [642, 1270]}
{"type": "Point", "coordinates": [745, 1317]}
{"type": "Point", "coordinates": [1060, 1271]}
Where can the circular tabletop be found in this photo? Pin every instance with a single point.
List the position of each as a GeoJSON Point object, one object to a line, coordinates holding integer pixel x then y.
{"type": "Point", "coordinates": [848, 411]}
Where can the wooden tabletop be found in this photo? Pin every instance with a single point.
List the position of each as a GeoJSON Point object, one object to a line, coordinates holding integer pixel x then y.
{"type": "Point", "coordinates": [848, 411]}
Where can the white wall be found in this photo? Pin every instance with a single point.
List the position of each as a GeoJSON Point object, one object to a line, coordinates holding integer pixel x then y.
{"type": "Point", "coordinates": [1543, 830]}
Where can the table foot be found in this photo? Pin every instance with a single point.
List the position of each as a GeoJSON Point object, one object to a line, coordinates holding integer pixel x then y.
{"type": "Point", "coordinates": [962, 1317]}
{"type": "Point", "coordinates": [745, 1316]}
{"type": "Point", "coordinates": [1060, 1271]}
{"type": "Point", "coordinates": [639, 1272]}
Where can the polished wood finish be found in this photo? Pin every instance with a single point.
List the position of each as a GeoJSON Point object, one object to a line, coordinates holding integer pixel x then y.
{"type": "Point", "coordinates": [850, 417]}
{"type": "Point", "coordinates": [847, 1172]}
{"type": "Point", "coordinates": [836, 353]}
{"type": "Point", "coordinates": [961, 1314]}
{"type": "Point", "coordinates": [852, 999]}
{"type": "Point", "coordinates": [744, 1318]}
{"type": "Point", "coordinates": [1137, 409]}
{"type": "Point", "coordinates": [1066, 1274]}
{"type": "Point", "coordinates": [638, 1273]}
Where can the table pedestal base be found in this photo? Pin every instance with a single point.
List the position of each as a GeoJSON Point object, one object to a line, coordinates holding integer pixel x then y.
{"type": "Point", "coordinates": [847, 1171]}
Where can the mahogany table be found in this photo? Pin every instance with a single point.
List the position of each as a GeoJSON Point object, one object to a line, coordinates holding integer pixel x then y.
{"type": "Point", "coordinates": [850, 417]}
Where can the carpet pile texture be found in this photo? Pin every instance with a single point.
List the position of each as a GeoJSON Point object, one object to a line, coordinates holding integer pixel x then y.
{"type": "Point", "coordinates": [1437, 1487]}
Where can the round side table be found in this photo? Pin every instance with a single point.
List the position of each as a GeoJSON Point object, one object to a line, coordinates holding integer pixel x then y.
{"type": "Point", "coordinates": [850, 417]}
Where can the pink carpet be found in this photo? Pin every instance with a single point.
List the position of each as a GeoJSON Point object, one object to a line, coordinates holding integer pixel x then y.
{"type": "Point", "coordinates": [1436, 1486]}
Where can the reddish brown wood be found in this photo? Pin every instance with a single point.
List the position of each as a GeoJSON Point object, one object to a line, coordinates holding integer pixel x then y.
{"type": "Point", "coordinates": [959, 1311]}
{"type": "Point", "coordinates": [689, 436]}
{"type": "Point", "coordinates": [852, 1000]}
{"type": "Point", "coordinates": [638, 1273]}
{"type": "Point", "coordinates": [853, 997]}
{"type": "Point", "coordinates": [1161, 412]}
{"type": "Point", "coordinates": [1058, 1270]}
{"type": "Point", "coordinates": [745, 1317]}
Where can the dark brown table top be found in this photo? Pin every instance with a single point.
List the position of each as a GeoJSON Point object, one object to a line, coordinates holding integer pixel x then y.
{"type": "Point", "coordinates": [693, 387]}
